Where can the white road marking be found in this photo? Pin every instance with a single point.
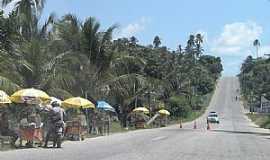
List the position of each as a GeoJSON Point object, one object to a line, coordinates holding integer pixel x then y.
{"type": "Point", "coordinates": [159, 138]}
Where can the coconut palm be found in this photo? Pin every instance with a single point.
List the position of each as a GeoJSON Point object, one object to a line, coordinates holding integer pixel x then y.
{"type": "Point", "coordinates": [90, 39]}
{"type": "Point", "coordinates": [28, 11]}
{"type": "Point", "coordinates": [124, 93]}
{"type": "Point", "coordinates": [133, 40]}
{"type": "Point", "coordinates": [157, 42]}
{"type": "Point", "coordinates": [257, 44]}
{"type": "Point", "coordinates": [180, 49]}
{"type": "Point", "coordinates": [198, 43]}
{"type": "Point", "coordinates": [190, 43]}
{"type": "Point", "coordinates": [68, 29]}
{"type": "Point", "coordinates": [28, 8]}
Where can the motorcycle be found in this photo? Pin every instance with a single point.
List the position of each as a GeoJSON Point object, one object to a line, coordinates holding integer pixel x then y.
{"type": "Point", "coordinates": [58, 134]}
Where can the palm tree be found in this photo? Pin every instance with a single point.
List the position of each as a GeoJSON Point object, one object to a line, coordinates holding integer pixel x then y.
{"type": "Point", "coordinates": [27, 7]}
{"type": "Point", "coordinates": [256, 44]}
{"type": "Point", "coordinates": [180, 49]}
{"type": "Point", "coordinates": [199, 38]}
{"type": "Point", "coordinates": [104, 55]}
{"type": "Point", "coordinates": [191, 42]}
{"type": "Point", "coordinates": [133, 40]}
{"type": "Point", "coordinates": [124, 93]}
{"type": "Point", "coordinates": [68, 29]}
{"type": "Point", "coordinates": [198, 43]}
{"type": "Point", "coordinates": [90, 30]}
{"type": "Point", "coordinates": [28, 13]}
{"type": "Point", "coordinates": [157, 42]}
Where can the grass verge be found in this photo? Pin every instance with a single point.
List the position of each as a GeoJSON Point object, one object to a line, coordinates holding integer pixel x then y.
{"type": "Point", "coordinates": [261, 120]}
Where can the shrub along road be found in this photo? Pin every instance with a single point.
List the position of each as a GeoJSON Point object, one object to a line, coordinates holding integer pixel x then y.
{"type": "Point", "coordinates": [235, 138]}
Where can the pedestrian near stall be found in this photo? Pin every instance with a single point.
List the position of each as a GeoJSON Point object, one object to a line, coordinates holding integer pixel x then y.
{"type": "Point", "coordinates": [56, 115]}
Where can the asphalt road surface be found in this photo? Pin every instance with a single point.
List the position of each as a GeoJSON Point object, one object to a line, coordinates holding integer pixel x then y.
{"type": "Point", "coordinates": [235, 138]}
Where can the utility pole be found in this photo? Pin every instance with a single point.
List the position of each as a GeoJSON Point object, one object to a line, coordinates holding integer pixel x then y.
{"type": "Point", "coordinates": [135, 95]}
{"type": "Point", "coordinates": [149, 102]}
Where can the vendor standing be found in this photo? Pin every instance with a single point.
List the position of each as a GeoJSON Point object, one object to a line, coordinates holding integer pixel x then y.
{"type": "Point", "coordinates": [56, 115]}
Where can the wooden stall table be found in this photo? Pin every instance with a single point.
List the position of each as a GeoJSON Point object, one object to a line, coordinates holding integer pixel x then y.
{"type": "Point", "coordinates": [140, 124]}
{"type": "Point", "coordinates": [31, 134]}
{"type": "Point", "coordinates": [75, 131]}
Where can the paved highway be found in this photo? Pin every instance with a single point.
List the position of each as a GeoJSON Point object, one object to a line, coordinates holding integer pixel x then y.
{"type": "Point", "coordinates": [235, 138]}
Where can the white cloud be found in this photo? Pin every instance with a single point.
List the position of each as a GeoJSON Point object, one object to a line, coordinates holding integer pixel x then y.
{"type": "Point", "coordinates": [236, 38]}
{"type": "Point", "coordinates": [264, 50]}
{"type": "Point", "coordinates": [132, 28]}
{"type": "Point", "coordinates": [235, 43]}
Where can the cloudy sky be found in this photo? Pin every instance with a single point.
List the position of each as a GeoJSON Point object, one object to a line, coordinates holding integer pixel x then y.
{"type": "Point", "coordinates": [229, 26]}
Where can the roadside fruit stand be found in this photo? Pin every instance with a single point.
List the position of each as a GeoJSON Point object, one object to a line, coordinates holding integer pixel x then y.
{"type": "Point", "coordinates": [163, 118]}
{"type": "Point", "coordinates": [31, 128]}
{"type": "Point", "coordinates": [140, 117]}
{"type": "Point", "coordinates": [106, 111]}
{"type": "Point", "coordinates": [76, 129]}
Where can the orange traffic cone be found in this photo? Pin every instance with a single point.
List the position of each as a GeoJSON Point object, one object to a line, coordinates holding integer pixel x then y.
{"type": "Point", "coordinates": [208, 126]}
{"type": "Point", "coordinates": [181, 124]}
{"type": "Point", "coordinates": [195, 125]}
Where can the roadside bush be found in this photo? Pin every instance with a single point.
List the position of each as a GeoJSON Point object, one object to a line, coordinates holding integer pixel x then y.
{"type": "Point", "coordinates": [179, 106]}
{"type": "Point", "coordinates": [196, 102]}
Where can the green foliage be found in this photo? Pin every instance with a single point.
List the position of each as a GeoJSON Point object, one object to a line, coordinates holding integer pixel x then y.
{"type": "Point", "coordinates": [255, 79]}
{"type": "Point", "coordinates": [7, 85]}
{"type": "Point", "coordinates": [69, 57]}
{"type": "Point", "coordinates": [179, 106]}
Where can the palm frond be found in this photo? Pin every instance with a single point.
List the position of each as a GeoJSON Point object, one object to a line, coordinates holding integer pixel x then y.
{"type": "Point", "coordinates": [59, 93]}
{"type": "Point", "coordinates": [6, 2]}
{"type": "Point", "coordinates": [107, 35]}
{"type": "Point", "coordinates": [7, 85]}
{"type": "Point", "coordinates": [49, 22]}
{"type": "Point", "coordinates": [55, 60]}
{"type": "Point", "coordinates": [125, 64]}
{"type": "Point", "coordinates": [126, 85]}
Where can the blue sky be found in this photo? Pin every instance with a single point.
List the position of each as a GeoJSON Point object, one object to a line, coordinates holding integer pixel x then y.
{"type": "Point", "coordinates": [229, 26]}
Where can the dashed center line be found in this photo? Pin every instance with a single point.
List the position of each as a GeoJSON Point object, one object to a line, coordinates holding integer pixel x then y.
{"type": "Point", "coordinates": [159, 138]}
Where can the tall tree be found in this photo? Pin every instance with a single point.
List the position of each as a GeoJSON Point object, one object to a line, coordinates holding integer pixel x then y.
{"type": "Point", "coordinates": [198, 43]}
{"type": "Point", "coordinates": [90, 37]}
{"type": "Point", "coordinates": [257, 44]}
{"type": "Point", "coordinates": [156, 42]}
{"type": "Point", "coordinates": [28, 13]}
{"type": "Point", "coordinates": [191, 42]}
{"type": "Point", "coordinates": [179, 49]}
{"type": "Point", "coordinates": [68, 29]}
{"type": "Point", "coordinates": [133, 40]}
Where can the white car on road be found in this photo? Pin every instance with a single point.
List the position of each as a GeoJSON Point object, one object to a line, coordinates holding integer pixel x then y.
{"type": "Point", "coordinates": [212, 117]}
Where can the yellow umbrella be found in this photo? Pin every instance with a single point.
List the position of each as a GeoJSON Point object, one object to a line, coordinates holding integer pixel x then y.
{"type": "Point", "coordinates": [4, 98]}
{"type": "Point", "coordinates": [141, 109]}
{"type": "Point", "coordinates": [30, 96]}
{"type": "Point", "coordinates": [77, 102]}
{"type": "Point", "coordinates": [164, 112]}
